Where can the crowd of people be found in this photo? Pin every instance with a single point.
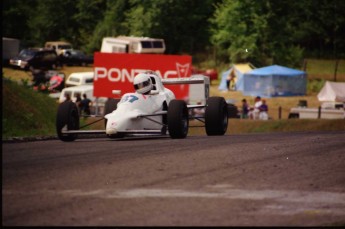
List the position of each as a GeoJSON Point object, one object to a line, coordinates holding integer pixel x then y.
{"type": "Point", "coordinates": [83, 104]}
{"type": "Point", "coordinates": [258, 111]}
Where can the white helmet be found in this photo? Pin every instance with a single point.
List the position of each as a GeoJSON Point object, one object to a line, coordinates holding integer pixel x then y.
{"type": "Point", "coordinates": [142, 83]}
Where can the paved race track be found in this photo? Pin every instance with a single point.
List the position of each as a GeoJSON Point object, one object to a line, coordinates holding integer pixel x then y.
{"type": "Point", "coordinates": [278, 179]}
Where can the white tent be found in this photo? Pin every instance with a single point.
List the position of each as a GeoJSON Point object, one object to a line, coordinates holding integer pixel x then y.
{"type": "Point", "coordinates": [332, 91]}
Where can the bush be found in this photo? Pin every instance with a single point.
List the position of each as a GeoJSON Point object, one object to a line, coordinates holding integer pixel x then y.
{"type": "Point", "coordinates": [315, 85]}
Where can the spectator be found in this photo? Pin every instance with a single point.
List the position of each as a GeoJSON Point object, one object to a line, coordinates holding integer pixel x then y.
{"type": "Point", "coordinates": [263, 111]}
{"type": "Point", "coordinates": [85, 105]}
{"type": "Point", "coordinates": [254, 111]}
{"type": "Point", "coordinates": [38, 76]}
{"type": "Point", "coordinates": [230, 81]}
{"type": "Point", "coordinates": [245, 109]}
{"type": "Point", "coordinates": [67, 97]}
{"type": "Point", "coordinates": [78, 102]}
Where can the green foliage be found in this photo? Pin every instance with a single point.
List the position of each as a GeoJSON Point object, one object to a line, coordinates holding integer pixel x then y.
{"type": "Point", "coordinates": [183, 24]}
{"type": "Point", "coordinates": [239, 28]}
{"type": "Point", "coordinates": [262, 32]}
{"type": "Point", "coordinates": [315, 85]}
{"type": "Point", "coordinates": [112, 24]}
{"type": "Point", "coordinates": [289, 56]}
{"type": "Point", "coordinates": [259, 27]}
{"type": "Point", "coordinates": [26, 112]}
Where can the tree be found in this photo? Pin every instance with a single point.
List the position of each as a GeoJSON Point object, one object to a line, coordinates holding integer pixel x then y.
{"type": "Point", "coordinates": [87, 17]}
{"type": "Point", "coordinates": [263, 32]}
{"type": "Point", "coordinates": [15, 15]}
{"type": "Point", "coordinates": [240, 30]}
{"type": "Point", "coordinates": [53, 20]}
{"type": "Point", "coordinates": [110, 25]}
{"type": "Point", "coordinates": [278, 31]}
{"type": "Point", "coordinates": [182, 24]}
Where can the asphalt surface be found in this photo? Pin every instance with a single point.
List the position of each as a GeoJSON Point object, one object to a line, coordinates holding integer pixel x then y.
{"type": "Point", "coordinates": [278, 179]}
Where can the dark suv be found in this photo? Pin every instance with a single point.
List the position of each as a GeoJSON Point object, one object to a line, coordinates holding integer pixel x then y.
{"type": "Point", "coordinates": [75, 57]}
{"type": "Point", "coordinates": [36, 58]}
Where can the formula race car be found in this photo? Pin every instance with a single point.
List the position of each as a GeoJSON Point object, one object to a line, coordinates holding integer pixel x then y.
{"type": "Point", "coordinates": [151, 110]}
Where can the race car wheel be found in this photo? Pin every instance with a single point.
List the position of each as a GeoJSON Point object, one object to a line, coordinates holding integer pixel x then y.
{"type": "Point", "coordinates": [178, 121]}
{"type": "Point", "coordinates": [216, 116]}
{"type": "Point", "coordinates": [109, 106]}
{"type": "Point", "coordinates": [67, 118]}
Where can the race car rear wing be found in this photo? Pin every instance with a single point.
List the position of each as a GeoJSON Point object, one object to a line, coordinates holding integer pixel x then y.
{"type": "Point", "coordinates": [199, 90]}
{"type": "Point", "coordinates": [199, 83]}
{"type": "Point", "coordinates": [195, 79]}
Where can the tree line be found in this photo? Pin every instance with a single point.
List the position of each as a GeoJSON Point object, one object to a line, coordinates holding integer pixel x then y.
{"type": "Point", "coordinates": [259, 31]}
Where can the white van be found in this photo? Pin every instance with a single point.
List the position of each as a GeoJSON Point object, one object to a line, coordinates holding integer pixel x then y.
{"type": "Point", "coordinates": [124, 44]}
{"type": "Point", "coordinates": [80, 78]}
{"type": "Point", "coordinates": [97, 103]}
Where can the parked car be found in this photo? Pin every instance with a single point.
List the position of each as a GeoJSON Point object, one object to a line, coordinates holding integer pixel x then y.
{"type": "Point", "coordinates": [79, 78]}
{"type": "Point", "coordinates": [76, 57]}
{"type": "Point", "coordinates": [37, 58]}
{"type": "Point", "coordinates": [58, 46]}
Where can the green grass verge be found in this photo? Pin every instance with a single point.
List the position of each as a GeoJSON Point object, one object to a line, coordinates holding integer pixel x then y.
{"type": "Point", "coordinates": [243, 126]}
{"type": "Point", "coordinates": [26, 112]}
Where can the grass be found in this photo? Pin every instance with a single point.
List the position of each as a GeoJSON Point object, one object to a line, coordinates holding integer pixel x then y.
{"type": "Point", "coordinates": [28, 113]}
{"type": "Point", "coordinates": [240, 126]}
{"type": "Point", "coordinates": [325, 69]}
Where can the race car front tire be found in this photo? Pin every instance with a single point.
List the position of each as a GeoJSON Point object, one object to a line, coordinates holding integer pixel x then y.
{"type": "Point", "coordinates": [67, 117]}
{"type": "Point", "coordinates": [216, 116]}
{"type": "Point", "coordinates": [178, 121]}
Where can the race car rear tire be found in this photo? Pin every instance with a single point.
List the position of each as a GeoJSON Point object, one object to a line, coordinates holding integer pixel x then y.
{"type": "Point", "coordinates": [67, 117]}
{"type": "Point", "coordinates": [216, 116]}
{"type": "Point", "coordinates": [178, 122]}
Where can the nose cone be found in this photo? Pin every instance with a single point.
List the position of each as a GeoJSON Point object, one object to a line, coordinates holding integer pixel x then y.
{"type": "Point", "coordinates": [120, 120]}
{"type": "Point", "coordinates": [111, 127]}
{"type": "Point", "coordinates": [110, 131]}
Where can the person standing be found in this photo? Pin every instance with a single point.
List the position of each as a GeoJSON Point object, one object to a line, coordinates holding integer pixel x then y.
{"type": "Point", "coordinates": [245, 109]}
{"type": "Point", "coordinates": [85, 105]}
{"type": "Point", "coordinates": [254, 111]}
{"type": "Point", "coordinates": [67, 97]}
{"type": "Point", "coordinates": [78, 103]}
{"type": "Point", "coordinates": [263, 111]}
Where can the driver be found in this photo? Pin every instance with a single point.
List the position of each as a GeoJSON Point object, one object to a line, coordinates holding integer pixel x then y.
{"type": "Point", "coordinates": [142, 83]}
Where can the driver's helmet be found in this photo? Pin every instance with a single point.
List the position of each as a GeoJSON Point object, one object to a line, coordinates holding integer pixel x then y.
{"type": "Point", "coordinates": [142, 83]}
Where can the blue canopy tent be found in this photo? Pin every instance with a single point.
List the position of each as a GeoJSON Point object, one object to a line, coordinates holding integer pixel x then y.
{"type": "Point", "coordinates": [275, 80]}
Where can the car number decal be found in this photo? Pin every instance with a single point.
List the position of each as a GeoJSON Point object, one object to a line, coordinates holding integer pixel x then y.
{"type": "Point", "coordinates": [130, 98]}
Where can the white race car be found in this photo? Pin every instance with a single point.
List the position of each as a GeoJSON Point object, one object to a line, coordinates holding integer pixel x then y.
{"type": "Point", "coordinates": [152, 112]}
